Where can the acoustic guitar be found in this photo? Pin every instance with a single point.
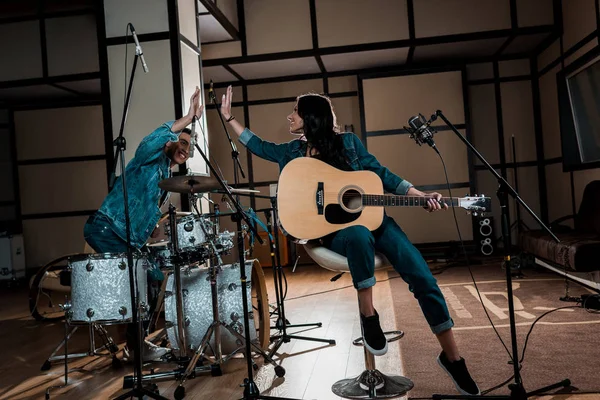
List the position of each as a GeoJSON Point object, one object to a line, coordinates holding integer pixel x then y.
{"type": "Point", "coordinates": [316, 199]}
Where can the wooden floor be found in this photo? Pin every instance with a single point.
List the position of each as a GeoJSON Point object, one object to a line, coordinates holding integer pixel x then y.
{"type": "Point", "coordinates": [311, 368]}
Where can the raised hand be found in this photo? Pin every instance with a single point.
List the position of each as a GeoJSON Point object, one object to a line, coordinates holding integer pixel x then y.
{"type": "Point", "coordinates": [226, 103]}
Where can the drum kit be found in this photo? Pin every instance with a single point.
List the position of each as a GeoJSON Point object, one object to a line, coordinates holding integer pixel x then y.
{"type": "Point", "coordinates": [201, 296]}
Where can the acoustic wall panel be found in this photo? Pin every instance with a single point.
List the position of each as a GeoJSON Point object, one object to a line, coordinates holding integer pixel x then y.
{"type": "Point", "coordinates": [484, 125]}
{"type": "Point", "coordinates": [534, 12]}
{"type": "Point", "coordinates": [447, 17]}
{"type": "Point", "coordinates": [72, 45]}
{"type": "Point", "coordinates": [25, 54]}
{"type": "Point", "coordinates": [59, 132]}
{"type": "Point", "coordinates": [558, 184]}
{"type": "Point", "coordinates": [186, 10]}
{"type": "Point", "coordinates": [517, 117]}
{"type": "Point", "coordinates": [579, 20]}
{"type": "Point", "coordinates": [342, 84]}
{"type": "Point", "coordinates": [391, 101]}
{"type": "Point", "coordinates": [147, 16]}
{"type": "Point", "coordinates": [283, 89]}
{"type": "Point", "coordinates": [549, 108]}
{"type": "Point", "coordinates": [190, 79]}
{"type": "Point", "coordinates": [50, 238]}
{"type": "Point", "coordinates": [421, 165]}
{"type": "Point", "coordinates": [264, 17]}
{"type": "Point", "coordinates": [62, 187]}
{"type": "Point", "coordinates": [353, 23]}
{"type": "Point", "coordinates": [152, 101]}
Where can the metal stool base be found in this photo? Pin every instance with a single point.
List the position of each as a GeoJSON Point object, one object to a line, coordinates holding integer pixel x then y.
{"type": "Point", "coordinates": [372, 384]}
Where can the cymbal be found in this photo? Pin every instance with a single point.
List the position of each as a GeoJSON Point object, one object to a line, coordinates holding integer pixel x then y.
{"type": "Point", "coordinates": [189, 184]}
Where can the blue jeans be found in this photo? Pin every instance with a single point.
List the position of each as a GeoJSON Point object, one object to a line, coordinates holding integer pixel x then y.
{"type": "Point", "coordinates": [101, 237]}
{"type": "Point", "coordinates": [358, 245]}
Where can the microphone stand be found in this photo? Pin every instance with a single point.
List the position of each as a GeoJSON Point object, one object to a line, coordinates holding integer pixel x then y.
{"type": "Point", "coordinates": [250, 388]}
{"type": "Point", "coordinates": [120, 143]}
{"type": "Point", "coordinates": [517, 390]}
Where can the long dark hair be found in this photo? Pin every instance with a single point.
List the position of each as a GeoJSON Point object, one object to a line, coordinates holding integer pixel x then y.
{"type": "Point", "coordinates": [321, 130]}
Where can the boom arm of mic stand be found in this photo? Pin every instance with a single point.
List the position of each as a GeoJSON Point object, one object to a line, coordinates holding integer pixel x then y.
{"type": "Point", "coordinates": [234, 151]}
{"type": "Point", "coordinates": [237, 205]}
{"type": "Point", "coordinates": [501, 181]}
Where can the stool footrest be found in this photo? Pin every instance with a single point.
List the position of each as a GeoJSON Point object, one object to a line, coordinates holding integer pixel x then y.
{"type": "Point", "coordinates": [372, 384]}
{"type": "Point", "coordinates": [395, 335]}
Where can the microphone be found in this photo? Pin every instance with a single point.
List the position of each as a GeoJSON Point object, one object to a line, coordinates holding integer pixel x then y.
{"type": "Point", "coordinates": [138, 48]}
{"type": "Point", "coordinates": [193, 137]}
{"type": "Point", "coordinates": [211, 93]}
{"type": "Point", "coordinates": [421, 131]}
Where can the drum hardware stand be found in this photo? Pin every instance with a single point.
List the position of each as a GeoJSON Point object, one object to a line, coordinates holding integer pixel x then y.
{"type": "Point", "coordinates": [119, 159]}
{"type": "Point", "coordinates": [65, 357]}
{"type": "Point", "coordinates": [517, 389]}
{"type": "Point", "coordinates": [250, 388]}
{"type": "Point", "coordinates": [282, 323]}
{"type": "Point", "coordinates": [109, 345]}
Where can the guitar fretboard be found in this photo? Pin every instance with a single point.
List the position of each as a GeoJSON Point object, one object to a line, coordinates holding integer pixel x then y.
{"type": "Point", "coordinates": [391, 200]}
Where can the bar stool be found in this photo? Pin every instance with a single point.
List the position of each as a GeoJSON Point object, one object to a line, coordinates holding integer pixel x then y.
{"type": "Point", "coordinates": [371, 383]}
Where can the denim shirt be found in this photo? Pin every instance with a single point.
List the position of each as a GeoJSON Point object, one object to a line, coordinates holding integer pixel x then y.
{"type": "Point", "coordinates": [356, 153]}
{"type": "Point", "coordinates": [148, 167]}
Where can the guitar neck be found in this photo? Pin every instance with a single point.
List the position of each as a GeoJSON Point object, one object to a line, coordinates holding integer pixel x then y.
{"type": "Point", "coordinates": [390, 200]}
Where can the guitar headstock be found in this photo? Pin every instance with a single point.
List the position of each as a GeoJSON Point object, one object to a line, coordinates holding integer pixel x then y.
{"type": "Point", "coordinates": [476, 204]}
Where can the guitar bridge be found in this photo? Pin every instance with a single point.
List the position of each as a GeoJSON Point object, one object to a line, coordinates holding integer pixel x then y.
{"type": "Point", "coordinates": [320, 198]}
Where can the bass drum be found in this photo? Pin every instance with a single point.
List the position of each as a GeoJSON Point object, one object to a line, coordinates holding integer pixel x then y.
{"type": "Point", "coordinates": [198, 310]}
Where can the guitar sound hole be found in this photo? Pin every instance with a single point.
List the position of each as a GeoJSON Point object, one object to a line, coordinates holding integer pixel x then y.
{"type": "Point", "coordinates": [352, 200]}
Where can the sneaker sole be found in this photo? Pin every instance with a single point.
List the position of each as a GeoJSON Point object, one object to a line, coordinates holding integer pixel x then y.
{"type": "Point", "coordinates": [376, 352]}
{"type": "Point", "coordinates": [456, 384]}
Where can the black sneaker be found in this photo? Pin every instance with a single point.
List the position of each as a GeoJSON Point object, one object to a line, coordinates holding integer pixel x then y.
{"type": "Point", "coordinates": [373, 337]}
{"type": "Point", "coordinates": [459, 374]}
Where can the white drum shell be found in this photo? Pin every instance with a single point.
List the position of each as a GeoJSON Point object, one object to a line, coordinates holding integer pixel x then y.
{"type": "Point", "coordinates": [100, 289]}
{"type": "Point", "coordinates": [198, 308]}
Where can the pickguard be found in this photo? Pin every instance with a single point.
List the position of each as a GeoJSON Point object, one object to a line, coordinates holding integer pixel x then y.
{"type": "Point", "coordinates": [335, 214]}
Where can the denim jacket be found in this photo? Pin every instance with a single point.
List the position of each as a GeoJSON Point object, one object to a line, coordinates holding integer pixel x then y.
{"type": "Point", "coordinates": [356, 153]}
{"type": "Point", "coordinates": [148, 167]}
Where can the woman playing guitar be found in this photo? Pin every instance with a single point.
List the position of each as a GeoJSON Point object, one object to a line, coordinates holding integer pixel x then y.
{"type": "Point", "coordinates": [313, 120]}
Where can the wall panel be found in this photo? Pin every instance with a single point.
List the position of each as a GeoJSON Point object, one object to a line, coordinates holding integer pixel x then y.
{"type": "Point", "coordinates": [484, 126]}
{"type": "Point", "coordinates": [152, 99]}
{"type": "Point", "coordinates": [421, 165]}
{"type": "Point", "coordinates": [517, 116]}
{"type": "Point", "coordinates": [118, 13]}
{"type": "Point", "coordinates": [47, 239]}
{"type": "Point", "coordinates": [284, 89]}
{"type": "Point", "coordinates": [62, 187]}
{"type": "Point", "coordinates": [70, 53]}
{"type": "Point", "coordinates": [264, 17]}
{"type": "Point", "coordinates": [550, 120]}
{"type": "Point", "coordinates": [25, 54]}
{"type": "Point", "coordinates": [59, 132]}
{"type": "Point", "coordinates": [579, 20]}
{"type": "Point", "coordinates": [391, 101]}
{"type": "Point", "coordinates": [389, 16]}
{"type": "Point", "coordinates": [447, 17]}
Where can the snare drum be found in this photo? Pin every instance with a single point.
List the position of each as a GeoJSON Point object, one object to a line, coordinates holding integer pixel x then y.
{"type": "Point", "coordinates": [100, 289]}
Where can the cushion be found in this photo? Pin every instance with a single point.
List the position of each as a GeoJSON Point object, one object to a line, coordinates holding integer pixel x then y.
{"type": "Point", "coordinates": [576, 251]}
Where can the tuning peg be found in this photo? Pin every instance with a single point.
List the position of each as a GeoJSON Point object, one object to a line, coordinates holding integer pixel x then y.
{"type": "Point", "coordinates": [475, 213]}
